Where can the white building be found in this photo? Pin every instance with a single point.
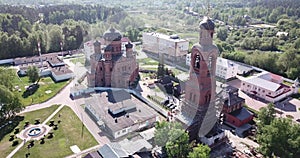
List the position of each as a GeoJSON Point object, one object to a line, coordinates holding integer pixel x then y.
{"type": "Point", "coordinates": [88, 49]}
{"type": "Point", "coordinates": [226, 69]}
{"type": "Point", "coordinates": [172, 46]}
{"type": "Point", "coordinates": [266, 86]}
{"type": "Point", "coordinates": [188, 59]}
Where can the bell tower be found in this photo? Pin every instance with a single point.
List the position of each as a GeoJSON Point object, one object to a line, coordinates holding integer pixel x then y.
{"type": "Point", "coordinates": [200, 89]}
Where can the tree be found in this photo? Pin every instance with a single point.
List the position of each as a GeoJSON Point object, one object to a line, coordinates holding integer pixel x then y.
{"type": "Point", "coordinates": [161, 132]}
{"type": "Point", "coordinates": [160, 68]}
{"type": "Point", "coordinates": [173, 138]}
{"type": "Point", "coordinates": [33, 73]}
{"type": "Point", "coordinates": [222, 33]}
{"type": "Point", "coordinates": [266, 115]}
{"type": "Point", "coordinates": [6, 77]}
{"type": "Point", "coordinates": [281, 138]}
{"type": "Point", "coordinates": [178, 145]}
{"type": "Point", "coordinates": [55, 38]}
{"type": "Point", "coordinates": [201, 151]}
{"type": "Point", "coordinates": [10, 104]}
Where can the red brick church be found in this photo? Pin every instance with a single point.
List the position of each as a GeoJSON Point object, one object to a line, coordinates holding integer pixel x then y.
{"type": "Point", "coordinates": [110, 65]}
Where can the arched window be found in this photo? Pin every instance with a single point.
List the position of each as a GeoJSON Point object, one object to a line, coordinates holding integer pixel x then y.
{"type": "Point", "coordinates": [207, 97]}
{"type": "Point", "coordinates": [197, 61]}
{"type": "Point", "coordinates": [210, 60]}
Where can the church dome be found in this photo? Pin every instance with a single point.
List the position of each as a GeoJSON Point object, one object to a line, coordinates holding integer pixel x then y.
{"type": "Point", "coordinates": [207, 24]}
{"type": "Point", "coordinates": [112, 35]}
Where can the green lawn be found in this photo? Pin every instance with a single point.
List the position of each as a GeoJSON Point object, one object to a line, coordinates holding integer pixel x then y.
{"type": "Point", "coordinates": [79, 59]}
{"type": "Point", "coordinates": [69, 133]}
{"type": "Point", "coordinates": [19, 122]}
{"type": "Point", "coordinates": [39, 96]}
{"type": "Point", "coordinates": [147, 61]}
{"type": "Point", "coordinates": [177, 72]}
{"type": "Point", "coordinates": [287, 83]}
{"type": "Point", "coordinates": [149, 68]}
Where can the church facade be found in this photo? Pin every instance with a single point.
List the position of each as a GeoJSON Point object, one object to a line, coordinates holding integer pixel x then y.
{"type": "Point", "coordinates": [110, 65]}
{"type": "Point", "coordinates": [199, 102]}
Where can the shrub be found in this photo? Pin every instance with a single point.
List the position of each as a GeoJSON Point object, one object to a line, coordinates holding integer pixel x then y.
{"type": "Point", "coordinates": [16, 142]}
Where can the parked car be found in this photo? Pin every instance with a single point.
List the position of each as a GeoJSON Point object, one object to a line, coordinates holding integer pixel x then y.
{"type": "Point", "coordinates": [173, 107]}
{"type": "Point", "coordinates": [169, 105]}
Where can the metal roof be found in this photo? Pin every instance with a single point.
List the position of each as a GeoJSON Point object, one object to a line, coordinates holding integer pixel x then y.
{"type": "Point", "coordinates": [241, 114]}
{"type": "Point", "coordinates": [265, 84]}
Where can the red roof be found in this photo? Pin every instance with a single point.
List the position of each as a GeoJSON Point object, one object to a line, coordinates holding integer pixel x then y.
{"type": "Point", "coordinates": [276, 77]}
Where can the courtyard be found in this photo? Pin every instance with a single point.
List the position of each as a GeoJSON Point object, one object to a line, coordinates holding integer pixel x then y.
{"type": "Point", "coordinates": [18, 123]}
{"type": "Point", "coordinates": [70, 131]}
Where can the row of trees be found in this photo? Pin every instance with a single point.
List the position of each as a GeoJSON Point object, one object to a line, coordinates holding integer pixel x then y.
{"type": "Point", "coordinates": [57, 14]}
{"type": "Point", "coordinates": [9, 103]}
{"type": "Point", "coordinates": [68, 25]}
{"type": "Point", "coordinates": [277, 136]}
{"type": "Point", "coordinates": [286, 64]}
{"type": "Point", "coordinates": [18, 37]}
{"type": "Point", "coordinates": [175, 140]}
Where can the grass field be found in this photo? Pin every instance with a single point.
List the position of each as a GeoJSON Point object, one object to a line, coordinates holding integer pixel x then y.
{"type": "Point", "coordinates": [79, 59]}
{"type": "Point", "coordinates": [147, 61]}
{"type": "Point", "coordinates": [69, 133]}
{"type": "Point", "coordinates": [39, 96]}
{"type": "Point", "coordinates": [19, 122]}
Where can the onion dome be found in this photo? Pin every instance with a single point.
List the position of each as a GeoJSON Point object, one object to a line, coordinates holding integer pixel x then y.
{"type": "Point", "coordinates": [207, 24]}
{"type": "Point", "coordinates": [112, 35]}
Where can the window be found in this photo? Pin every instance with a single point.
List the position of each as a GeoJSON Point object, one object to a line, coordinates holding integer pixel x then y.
{"type": "Point", "coordinates": [197, 61]}
{"type": "Point", "coordinates": [124, 130]}
{"type": "Point", "coordinates": [194, 98]}
{"type": "Point", "coordinates": [210, 62]}
{"type": "Point", "coordinates": [208, 73]}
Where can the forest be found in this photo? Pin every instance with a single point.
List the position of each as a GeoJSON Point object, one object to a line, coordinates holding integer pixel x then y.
{"type": "Point", "coordinates": [22, 28]}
